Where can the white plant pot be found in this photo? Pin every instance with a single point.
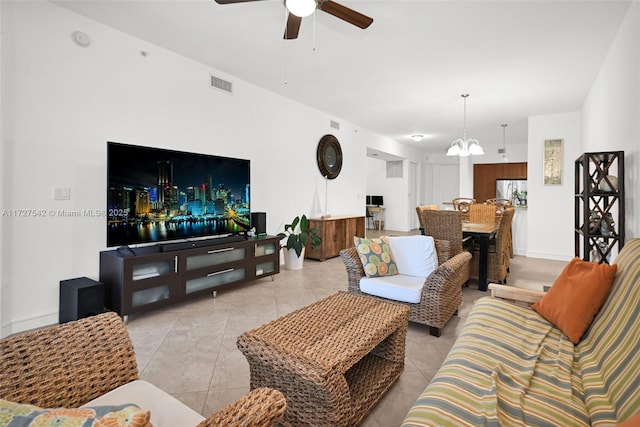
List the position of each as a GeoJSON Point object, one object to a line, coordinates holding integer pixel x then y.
{"type": "Point", "coordinates": [291, 259]}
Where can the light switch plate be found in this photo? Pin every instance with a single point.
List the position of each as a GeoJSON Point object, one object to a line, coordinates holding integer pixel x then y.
{"type": "Point", "coordinates": [61, 193]}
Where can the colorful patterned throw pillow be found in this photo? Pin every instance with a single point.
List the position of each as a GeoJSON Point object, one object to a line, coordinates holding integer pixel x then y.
{"type": "Point", "coordinates": [23, 415]}
{"type": "Point", "coordinates": [376, 257]}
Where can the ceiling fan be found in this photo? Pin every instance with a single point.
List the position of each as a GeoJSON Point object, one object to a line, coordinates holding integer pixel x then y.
{"type": "Point", "coordinates": [297, 9]}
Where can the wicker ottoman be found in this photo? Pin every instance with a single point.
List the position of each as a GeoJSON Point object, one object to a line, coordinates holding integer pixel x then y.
{"type": "Point", "coordinates": [333, 360]}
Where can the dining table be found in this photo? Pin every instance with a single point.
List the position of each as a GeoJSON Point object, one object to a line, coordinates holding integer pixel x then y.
{"type": "Point", "coordinates": [482, 233]}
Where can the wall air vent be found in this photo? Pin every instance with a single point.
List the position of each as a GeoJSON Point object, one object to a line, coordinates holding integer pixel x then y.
{"type": "Point", "coordinates": [335, 124]}
{"type": "Point", "coordinates": [394, 168]}
{"type": "Point", "coordinates": [221, 84]}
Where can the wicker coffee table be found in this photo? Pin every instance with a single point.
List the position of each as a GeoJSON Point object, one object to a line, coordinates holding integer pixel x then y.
{"type": "Point", "coordinates": [333, 360]}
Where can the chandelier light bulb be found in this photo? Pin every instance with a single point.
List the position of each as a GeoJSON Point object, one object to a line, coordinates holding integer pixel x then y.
{"type": "Point", "coordinates": [301, 8]}
{"type": "Point", "coordinates": [474, 147]}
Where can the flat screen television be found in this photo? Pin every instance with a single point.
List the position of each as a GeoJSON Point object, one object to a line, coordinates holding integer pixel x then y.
{"type": "Point", "coordinates": [158, 195]}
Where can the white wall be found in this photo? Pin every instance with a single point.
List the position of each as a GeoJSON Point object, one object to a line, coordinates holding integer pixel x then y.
{"type": "Point", "coordinates": [61, 103]}
{"type": "Point", "coordinates": [4, 291]}
{"type": "Point", "coordinates": [394, 191]}
{"type": "Point", "coordinates": [608, 121]}
{"type": "Point", "coordinates": [397, 216]}
{"type": "Point", "coordinates": [611, 112]}
{"type": "Point", "coordinates": [550, 213]}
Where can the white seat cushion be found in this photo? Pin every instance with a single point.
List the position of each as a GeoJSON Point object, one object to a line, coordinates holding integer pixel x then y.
{"type": "Point", "coordinates": [166, 410]}
{"type": "Point", "coordinates": [399, 287]}
{"type": "Point", "coordinates": [414, 255]}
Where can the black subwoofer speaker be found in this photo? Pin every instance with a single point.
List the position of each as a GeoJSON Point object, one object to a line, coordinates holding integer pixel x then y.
{"type": "Point", "coordinates": [80, 297]}
{"type": "Point", "coordinates": [259, 221]}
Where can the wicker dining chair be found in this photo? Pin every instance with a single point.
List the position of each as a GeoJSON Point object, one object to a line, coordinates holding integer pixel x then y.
{"type": "Point", "coordinates": [481, 213]}
{"type": "Point", "coordinates": [428, 208]}
{"type": "Point", "coordinates": [501, 205]}
{"type": "Point", "coordinates": [463, 204]}
{"type": "Point", "coordinates": [498, 259]}
{"type": "Point", "coordinates": [442, 225]}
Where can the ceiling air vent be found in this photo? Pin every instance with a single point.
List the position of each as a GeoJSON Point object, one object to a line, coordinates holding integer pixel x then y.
{"type": "Point", "coordinates": [335, 124]}
{"type": "Point", "coordinates": [221, 84]}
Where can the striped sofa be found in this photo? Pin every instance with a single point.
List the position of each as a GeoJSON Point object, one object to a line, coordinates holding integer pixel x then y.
{"type": "Point", "coordinates": [510, 367]}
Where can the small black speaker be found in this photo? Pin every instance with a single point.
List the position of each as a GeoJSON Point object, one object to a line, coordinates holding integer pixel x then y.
{"type": "Point", "coordinates": [259, 221]}
{"type": "Point", "coordinates": [79, 298]}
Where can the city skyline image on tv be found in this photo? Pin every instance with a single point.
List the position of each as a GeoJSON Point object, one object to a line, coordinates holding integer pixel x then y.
{"type": "Point", "coordinates": [155, 195]}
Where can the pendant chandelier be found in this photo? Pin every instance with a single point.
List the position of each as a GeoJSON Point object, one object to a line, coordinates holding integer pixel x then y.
{"type": "Point", "coordinates": [466, 146]}
{"type": "Point", "coordinates": [504, 142]}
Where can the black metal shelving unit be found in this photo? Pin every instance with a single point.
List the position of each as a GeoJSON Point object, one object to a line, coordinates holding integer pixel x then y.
{"type": "Point", "coordinates": [599, 205]}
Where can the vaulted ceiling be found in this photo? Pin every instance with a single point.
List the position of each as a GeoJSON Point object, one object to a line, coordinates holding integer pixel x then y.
{"type": "Point", "coordinates": [405, 73]}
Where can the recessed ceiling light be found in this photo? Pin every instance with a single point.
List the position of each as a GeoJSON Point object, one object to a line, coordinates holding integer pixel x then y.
{"type": "Point", "coordinates": [417, 138]}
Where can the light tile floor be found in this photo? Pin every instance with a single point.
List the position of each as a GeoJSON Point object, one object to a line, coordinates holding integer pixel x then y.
{"type": "Point", "coordinates": [189, 350]}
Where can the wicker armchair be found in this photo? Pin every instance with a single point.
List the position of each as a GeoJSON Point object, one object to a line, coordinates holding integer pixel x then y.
{"type": "Point", "coordinates": [70, 364]}
{"type": "Point", "coordinates": [499, 259]}
{"type": "Point", "coordinates": [442, 290]}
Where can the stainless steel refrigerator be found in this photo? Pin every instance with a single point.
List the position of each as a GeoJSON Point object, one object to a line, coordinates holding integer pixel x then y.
{"type": "Point", "coordinates": [512, 189]}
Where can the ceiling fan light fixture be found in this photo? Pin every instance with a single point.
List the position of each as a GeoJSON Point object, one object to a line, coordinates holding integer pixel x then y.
{"type": "Point", "coordinates": [301, 8]}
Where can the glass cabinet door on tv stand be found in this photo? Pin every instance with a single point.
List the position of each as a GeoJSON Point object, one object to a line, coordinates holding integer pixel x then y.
{"type": "Point", "coordinates": [147, 278]}
{"type": "Point", "coordinates": [599, 206]}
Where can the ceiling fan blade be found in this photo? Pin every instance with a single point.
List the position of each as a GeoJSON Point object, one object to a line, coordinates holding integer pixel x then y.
{"type": "Point", "coordinates": [293, 27]}
{"type": "Point", "coordinates": [344, 13]}
{"type": "Point", "coordinates": [233, 1]}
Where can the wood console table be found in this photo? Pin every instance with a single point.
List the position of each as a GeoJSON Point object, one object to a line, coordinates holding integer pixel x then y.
{"type": "Point", "coordinates": [337, 233]}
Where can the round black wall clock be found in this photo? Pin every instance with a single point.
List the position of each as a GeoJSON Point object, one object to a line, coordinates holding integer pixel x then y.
{"type": "Point", "coordinates": [329, 156]}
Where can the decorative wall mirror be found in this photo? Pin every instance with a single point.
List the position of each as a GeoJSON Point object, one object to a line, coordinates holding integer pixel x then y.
{"type": "Point", "coordinates": [329, 156]}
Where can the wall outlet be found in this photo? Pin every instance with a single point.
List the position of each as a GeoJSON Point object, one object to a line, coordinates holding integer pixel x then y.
{"type": "Point", "coordinates": [61, 193]}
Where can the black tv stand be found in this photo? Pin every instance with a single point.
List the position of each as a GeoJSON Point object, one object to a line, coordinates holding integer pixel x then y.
{"type": "Point", "coordinates": [126, 248]}
{"type": "Point", "coordinates": [154, 278]}
{"type": "Point", "coordinates": [191, 244]}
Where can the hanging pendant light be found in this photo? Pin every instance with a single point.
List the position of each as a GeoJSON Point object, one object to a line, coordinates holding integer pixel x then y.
{"type": "Point", "coordinates": [465, 147]}
{"type": "Point", "coordinates": [504, 143]}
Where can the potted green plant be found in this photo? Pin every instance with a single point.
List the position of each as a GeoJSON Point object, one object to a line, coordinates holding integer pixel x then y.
{"type": "Point", "coordinates": [298, 235]}
{"type": "Point", "coordinates": [520, 196]}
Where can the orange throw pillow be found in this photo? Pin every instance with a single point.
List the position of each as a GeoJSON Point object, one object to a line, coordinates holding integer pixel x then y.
{"type": "Point", "coordinates": [576, 296]}
{"type": "Point", "coordinates": [631, 422]}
